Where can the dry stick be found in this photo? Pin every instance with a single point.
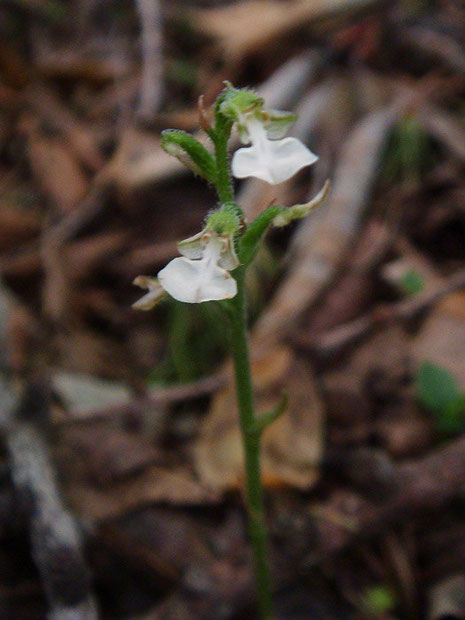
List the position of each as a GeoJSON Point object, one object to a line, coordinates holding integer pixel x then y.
{"type": "Point", "coordinates": [152, 74]}
{"type": "Point", "coordinates": [424, 40]}
{"type": "Point", "coordinates": [157, 397]}
{"type": "Point", "coordinates": [444, 128]}
{"type": "Point", "coordinates": [56, 287]}
{"type": "Point", "coordinates": [55, 538]}
{"type": "Point", "coordinates": [283, 87]}
{"type": "Point", "coordinates": [316, 260]}
{"type": "Point", "coordinates": [334, 340]}
{"type": "Point", "coordinates": [49, 107]}
{"type": "Point", "coordinates": [238, 34]}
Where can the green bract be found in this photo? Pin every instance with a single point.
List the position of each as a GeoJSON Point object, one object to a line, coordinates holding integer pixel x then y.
{"type": "Point", "coordinates": [277, 216]}
{"type": "Point", "coordinates": [189, 152]}
{"type": "Point", "coordinates": [237, 102]}
{"type": "Point", "coordinates": [297, 212]}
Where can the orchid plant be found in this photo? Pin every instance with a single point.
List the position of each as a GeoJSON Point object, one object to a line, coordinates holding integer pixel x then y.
{"type": "Point", "coordinates": [213, 263]}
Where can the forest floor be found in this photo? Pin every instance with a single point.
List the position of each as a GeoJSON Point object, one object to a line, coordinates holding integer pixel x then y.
{"type": "Point", "coordinates": [121, 472]}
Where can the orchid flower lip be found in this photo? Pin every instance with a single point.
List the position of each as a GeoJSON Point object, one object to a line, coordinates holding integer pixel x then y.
{"type": "Point", "coordinates": [273, 161]}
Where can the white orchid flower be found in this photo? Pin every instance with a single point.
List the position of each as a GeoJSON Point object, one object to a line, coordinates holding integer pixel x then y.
{"type": "Point", "coordinates": [202, 273]}
{"type": "Point", "coordinates": [268, 158]}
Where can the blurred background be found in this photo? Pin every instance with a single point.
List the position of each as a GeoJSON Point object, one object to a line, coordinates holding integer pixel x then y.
{"type": "Point", "coordinates": [121, 468]}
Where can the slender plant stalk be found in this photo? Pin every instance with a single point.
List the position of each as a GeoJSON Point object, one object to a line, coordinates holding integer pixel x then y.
{"type": "Point", "coordinates": [250, 429]}
{"type": "Point", "coordinates": [251, 444]}
{"type": "Point", "coordinates": [220, 139]}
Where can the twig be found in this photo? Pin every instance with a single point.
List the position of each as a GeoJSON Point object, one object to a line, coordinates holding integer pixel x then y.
{"type": "Point", "coordinates": [336, 339]}
{"type": "Point", "coordinates": [315, 263]}
{"type": "Point", "coordinates": [152, 61]}
{"type": "Point", "coordinates": [80, 138]}
{"type": "Point", "coordinates": [56, 287]}
{"type": "Point", "coordinates": [157, 397]}
{"type": "Point", "coordinates": [444, 128]}
{"type": "Point", "coordinates": [435, 44]}
{"type": "Point", "coordinates": [55, 538]}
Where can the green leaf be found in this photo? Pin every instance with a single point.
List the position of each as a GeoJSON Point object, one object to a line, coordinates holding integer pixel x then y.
{"type": "Point", "coordinates": [189, 152]}
{"type": "Point", "coordinates": [439, 392]}
{"type": "Point", "coordinates": [437, 387]}
{"type": "Point", "coordinates": [378, 600]}
{"type": "Point", "coordinates": [412, 282]}
{"type": "Point", "coordinates": [451, 419]}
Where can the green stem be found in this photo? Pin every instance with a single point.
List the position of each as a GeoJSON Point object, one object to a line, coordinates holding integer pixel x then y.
{"type": "Point", "coordinates": [251, 445]}
{"type": "Point", "coordinates": [220, 137]}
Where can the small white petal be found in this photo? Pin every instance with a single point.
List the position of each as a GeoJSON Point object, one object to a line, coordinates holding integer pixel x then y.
{"type": "Point", "coordinates": [150, 299]}
{"type": "Point", "coordinates": [196, 281]}
{"type": "Point", "coordinates": [192, 247]}
{"type": "Point", "coordinates": [228, 258]}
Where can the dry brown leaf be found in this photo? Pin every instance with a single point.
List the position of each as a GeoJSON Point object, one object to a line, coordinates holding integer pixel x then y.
{"type": "Point", "coordinates": [80, 138]}
{"type": "Point", "coordinates": [17, 225]}
{"type": "Point", "coordinates": [385, 354]}
{"type": "Point", "coordinates": [446, 598]}
{"type": "Point", "coordinates": [57, 171]}
{"type": "Point", "coordinates": [441, 340]}
{"type": "Point", "coordinates": [142, 258]}
{"type": "Point", "coordinates": [86, 254]}
{"type": "Point", "coordinates": [140, 160]}
{"type": "Point", "coordinates": [292, 446]}
{"type": "Point", "coordinates": [153, 485]}
{"type": "Point", "coordinates": [103, 454]}
{"type": "Point", "coordinates": [82, 396]}
{"type": "Point", "coordinates": [87, 352]}
{"type": "Point", "coordinates": [235, 26]}
{"type": "Point", "coordinates": [97, 302]}
{"type": "Point", "coordinates": [15, 70]}
{"type": "Point", "coordinates": [26, 264]}
{"type": "Point", "coordinates": [78, 64]}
